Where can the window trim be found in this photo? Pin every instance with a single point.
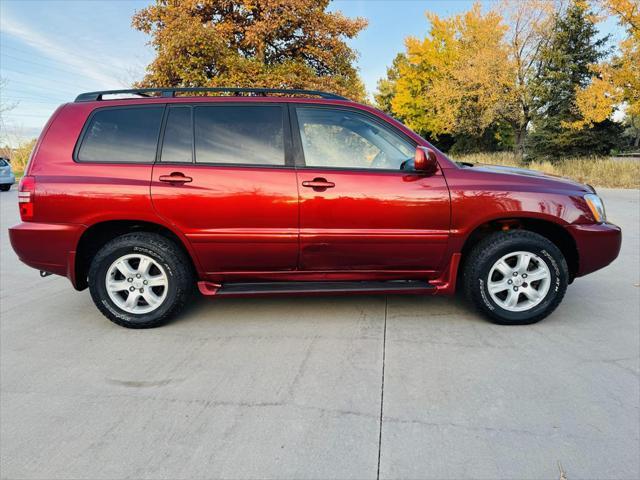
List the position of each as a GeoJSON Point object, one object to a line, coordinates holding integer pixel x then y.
{"type": "Point", "coordinates": [85, 128]}
{"type": "Point", "coordinates": [300, 161]}
{"type": "Point", "coordinates": [286, 132]}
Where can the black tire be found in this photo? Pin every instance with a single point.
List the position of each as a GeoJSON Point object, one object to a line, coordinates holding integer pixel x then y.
{"type": "Point", "coordinates": [161, 249]}
{"type": "Point", "coordinates": [489, 250]}
{"type": "Point", "coordinates": [5, 188]}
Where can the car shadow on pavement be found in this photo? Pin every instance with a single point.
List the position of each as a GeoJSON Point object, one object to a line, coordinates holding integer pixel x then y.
{"type": "Point", "coordinates": [328, 308]}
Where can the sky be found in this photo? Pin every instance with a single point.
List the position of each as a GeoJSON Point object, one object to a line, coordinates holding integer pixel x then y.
{"type": "Point", "coordinates": [52, 50]}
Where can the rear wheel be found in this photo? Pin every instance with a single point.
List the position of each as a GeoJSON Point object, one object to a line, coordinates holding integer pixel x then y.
{"type": "Point", "coordinates": [516, 277]}
{"type": "Point", "coordinates": [5, 188]}
{"type": "Point", "coordinates": [140, 280]}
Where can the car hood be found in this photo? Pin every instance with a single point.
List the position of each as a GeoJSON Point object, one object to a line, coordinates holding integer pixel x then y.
{"type": "Point", "coordinates": [523, 172]}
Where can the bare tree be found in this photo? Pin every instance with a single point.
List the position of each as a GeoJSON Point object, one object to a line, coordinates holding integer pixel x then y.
{"type": "Point", "coordinates": [531, 22]}
{"type": "Point", "coordinates": [4, 105]}
{"type": "Point", "coordinates": [4, 108]}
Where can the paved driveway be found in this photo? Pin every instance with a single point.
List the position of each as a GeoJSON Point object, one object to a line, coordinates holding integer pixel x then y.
{"type": "Point", "coordinates": [294, 388]}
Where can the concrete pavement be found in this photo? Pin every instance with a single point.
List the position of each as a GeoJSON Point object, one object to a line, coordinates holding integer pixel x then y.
{"type": "Point", "coordinates": [294, 388]}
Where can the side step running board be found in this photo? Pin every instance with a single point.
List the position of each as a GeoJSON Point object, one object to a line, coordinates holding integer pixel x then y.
{"type": "Point", "coordinates": [316, 288]}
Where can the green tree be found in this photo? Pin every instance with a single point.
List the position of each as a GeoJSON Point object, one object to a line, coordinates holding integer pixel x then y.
{"type": "Point", "coordinates": [247, 43]}
{"type": "Point", "coordinates": [565, 68]}
{"type": "Point", "coordinates": [386, 90]}
{"type": "Point", "coordinates": [616, 82]}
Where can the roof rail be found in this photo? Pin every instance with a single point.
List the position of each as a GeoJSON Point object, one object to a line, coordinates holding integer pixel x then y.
{"type": "Point", "coordinates": [171, 92]}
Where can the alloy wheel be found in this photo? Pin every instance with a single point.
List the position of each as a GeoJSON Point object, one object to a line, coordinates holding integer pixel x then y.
{"type": "Point", "coordinates": [519, 281]}
{"type": "Point", "coordinates": [136, 283]}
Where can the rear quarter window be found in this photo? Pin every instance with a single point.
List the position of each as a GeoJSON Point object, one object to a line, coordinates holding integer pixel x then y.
{"type": "Point", "coordinates": [121, 135]}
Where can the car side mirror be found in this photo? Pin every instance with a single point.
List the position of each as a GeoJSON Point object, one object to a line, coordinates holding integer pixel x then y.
{"type": "Point", "coordinates": [425, 160]}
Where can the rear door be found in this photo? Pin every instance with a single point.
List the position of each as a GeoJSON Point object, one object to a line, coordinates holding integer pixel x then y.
{"type": "Point", "coordinates": [359, 210]}
{"type": "Point", "coordinates": [222, 178]}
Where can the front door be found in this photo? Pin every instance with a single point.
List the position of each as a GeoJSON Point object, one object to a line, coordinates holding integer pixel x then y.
{"type": "Point", "coordinates": [360, 208]}
{"type": "Point", "coordinates": [221, 178]}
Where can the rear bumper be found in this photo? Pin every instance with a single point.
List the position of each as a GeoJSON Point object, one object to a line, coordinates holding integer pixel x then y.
{"type": "Point", "coordinates": [598, 245]}
{"type": "Point", "coordinates": [47, 246]}
{"type": "Point", "coordinates": [7, 179]}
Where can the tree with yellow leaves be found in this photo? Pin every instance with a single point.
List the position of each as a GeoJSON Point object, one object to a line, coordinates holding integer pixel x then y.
{"type": "Point", "coordinates": [616, 83]}
{"type": "Point", "coordinates": [458, 79]}
{"type": "Point", "coordinates": [248, 43]}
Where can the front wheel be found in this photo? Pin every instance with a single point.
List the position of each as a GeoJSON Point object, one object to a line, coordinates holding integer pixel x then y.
{"type": "Point", "coordinates": [5, 188]}
{"type": "Point", "coordinates": [516, 277]}
{"type": "Point", "coordinates": [140, 280]}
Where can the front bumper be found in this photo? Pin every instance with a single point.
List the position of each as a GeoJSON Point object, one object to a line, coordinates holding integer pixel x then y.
{"type": "Point", "coordinates": [47, 246]}
{"type": "Point", "coordinates": [598, 245]}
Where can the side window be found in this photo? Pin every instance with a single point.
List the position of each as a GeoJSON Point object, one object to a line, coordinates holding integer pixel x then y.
{"type": "Point", "coordinates": [347, 139]}
{"type": "Point", "coordinates": [177, 144]}
{"type": "Point", "coordinates": [239, 134]}
{"type": "Point", "coordinates": [126, 135]}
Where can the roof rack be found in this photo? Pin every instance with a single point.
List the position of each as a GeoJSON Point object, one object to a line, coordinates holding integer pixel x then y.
{"type": "Point", "coordinates": [171, 92]}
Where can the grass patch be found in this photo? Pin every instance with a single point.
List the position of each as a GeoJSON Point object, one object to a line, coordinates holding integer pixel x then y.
{"type": "Point", "coordinates": [599, 172]}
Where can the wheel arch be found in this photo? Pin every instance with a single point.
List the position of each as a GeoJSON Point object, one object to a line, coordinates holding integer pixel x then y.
{"type": "Point", "coordinates": [98, 234]}
{"type": "Point", "coordinates": [553, 231]}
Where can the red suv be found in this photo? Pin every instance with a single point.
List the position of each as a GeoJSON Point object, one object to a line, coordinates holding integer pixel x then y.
{"type": "Point", "coordinates": [263, 192]}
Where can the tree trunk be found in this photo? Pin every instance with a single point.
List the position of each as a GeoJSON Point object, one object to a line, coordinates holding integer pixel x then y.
{"type": "Point", "coordinates": [520, 128]}
{"type": "Point", "coordinates": [521, 134]}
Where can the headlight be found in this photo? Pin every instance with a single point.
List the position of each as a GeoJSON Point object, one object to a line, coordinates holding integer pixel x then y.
{"type": "Point", "coordinates": [596, 206]}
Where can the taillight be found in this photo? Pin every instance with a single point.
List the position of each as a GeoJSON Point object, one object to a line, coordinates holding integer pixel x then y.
{"type": "Point", "coordinates": [26, 194]}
